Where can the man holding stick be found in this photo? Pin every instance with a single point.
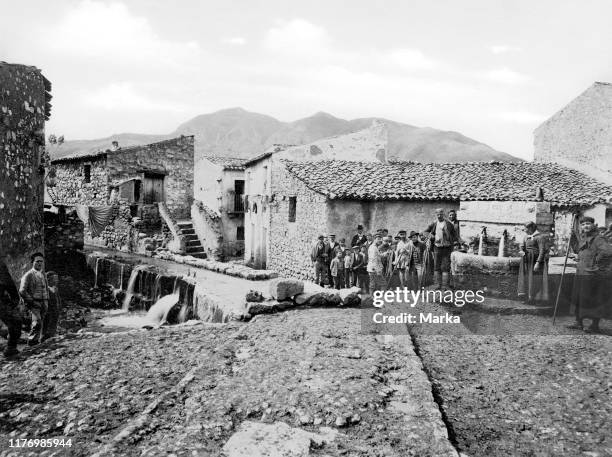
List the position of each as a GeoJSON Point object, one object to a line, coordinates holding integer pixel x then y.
{"type": "Point", "coordinates": [591, 297]}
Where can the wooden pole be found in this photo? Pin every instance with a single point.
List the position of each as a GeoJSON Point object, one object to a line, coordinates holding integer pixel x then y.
{"type": "Point", "coordinates": [563, 272]}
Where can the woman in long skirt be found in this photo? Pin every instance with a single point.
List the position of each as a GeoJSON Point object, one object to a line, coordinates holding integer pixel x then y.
{"type": "Point", "coordinates": [533, 270]}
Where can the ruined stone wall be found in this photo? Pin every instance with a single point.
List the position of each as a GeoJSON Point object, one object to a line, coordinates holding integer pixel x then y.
{"type": "Point", "coordinates": [119, 233]}
{"type": "Point", "coordinates": [291, 242]}
{"type": "Point", "coordinates": [24, 108]}
{"type": "Point", "coordinates": [71, 187]}
{"type": "Point", "coordinates": [174, 158]}
{"type": "Point", "coordinates": [579, 136]}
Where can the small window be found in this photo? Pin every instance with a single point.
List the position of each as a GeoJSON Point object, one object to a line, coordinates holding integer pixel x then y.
{"type": "Point", "coordinates": [240, 233]}
{"type": "Point", "coordinates": [87, 172]}
{"type": "Point", "coordinates": [292, 208]}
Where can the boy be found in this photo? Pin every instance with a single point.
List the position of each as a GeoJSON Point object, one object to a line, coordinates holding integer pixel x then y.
{"type": "Point", "coordinates": [349, 259]}
{"type": "Point", "coordinates": [53, 311]}
{"type": "Point", "coordinates": [337, 270]}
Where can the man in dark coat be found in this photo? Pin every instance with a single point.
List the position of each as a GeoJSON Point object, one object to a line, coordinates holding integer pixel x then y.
{"type": "Point", "coordinates": [442, 234]}
{"type": "Point", "coordinates": [359, 238]}
{"type": "Point", "coordinates": [591, 297]}
{"type": "Point", "coordinates": [319, 255]}
{"type": "Point", "coordinates": [9, 314]}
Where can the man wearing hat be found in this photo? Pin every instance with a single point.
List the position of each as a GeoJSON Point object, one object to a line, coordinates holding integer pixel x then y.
{"type": "Point", "coordinates": [359, 238]}
{"type": "Point", "coordinates": [591, 297]}
{"type": "Point", "coordinates": [332, 248]}
{"type": "Point", "coordinates": [319, 257]}
{"type": "Point", "coordinates": [443, 237]}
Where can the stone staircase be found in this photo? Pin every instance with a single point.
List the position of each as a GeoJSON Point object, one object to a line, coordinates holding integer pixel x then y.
{"type": "Point", "coordinates": [193, 247]}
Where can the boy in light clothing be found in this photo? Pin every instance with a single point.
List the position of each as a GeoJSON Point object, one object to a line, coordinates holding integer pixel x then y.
{"type": "Point", "coordinates": [337, 270]}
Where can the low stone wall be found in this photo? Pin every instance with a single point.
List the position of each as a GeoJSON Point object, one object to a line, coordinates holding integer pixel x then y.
{"type": "Point", "coordinates": [496, 276]}
{"type": "Point", "coordinates": [64, 232]}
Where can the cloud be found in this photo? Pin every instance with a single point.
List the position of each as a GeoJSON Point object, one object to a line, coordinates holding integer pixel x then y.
{"type": "Point", "coordinates": [125, 97]}
{"type": "Point", "coordinates": [410, 59]}
{"type": "Point", "coordinates": [94, 29]}
{"type": "Point", "coordinates": [502, 49]}
{"type": "Point", "coordinates": [299, 38]}
{"type": "Point", "coordinates": [521, 117]}
{"type": "Point", "coordinates": [236, 41]}
{"type": "Point", "coordinates": [506, 76]}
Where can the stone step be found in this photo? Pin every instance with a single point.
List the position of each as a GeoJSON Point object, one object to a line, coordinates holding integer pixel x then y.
{"type": "Point", "coordinates": [187, 231]}
{"type": "Point", "coordinates": [192, 243]}
{"type": "Point", "coordinates": [199, 255]}
{"type": "Point", "coordinates": [191, 237]}
{"type": "Point", "coordinates": [190, 249]}
{"type": "Point", "coordinates": [185, 224]}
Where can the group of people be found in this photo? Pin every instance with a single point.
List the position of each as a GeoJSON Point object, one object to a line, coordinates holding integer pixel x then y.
{"type": "Point", "coordinates": [372, 259]}
{"type": "Point", "coordinates": [39, 293]}
{"type": "Point", "coordinates": [592, 249]}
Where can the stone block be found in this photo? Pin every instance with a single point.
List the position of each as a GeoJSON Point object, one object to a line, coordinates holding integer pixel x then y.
{"type": "Point", "coordinates": [283, 288]}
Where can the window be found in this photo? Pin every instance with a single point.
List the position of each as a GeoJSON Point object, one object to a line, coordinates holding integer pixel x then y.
{"type": "Point", "coordinates": [292, 208]}
{"type": "Point", "coordinates": [87, 172]}
{"type": "Point", "coordinates": [240, 233]}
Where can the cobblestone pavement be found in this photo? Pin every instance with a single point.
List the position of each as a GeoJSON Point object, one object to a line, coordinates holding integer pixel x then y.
{"type": "Point", "coordinates": [523, 391]}
{"type": "Point", "coordinates": [186, 390]}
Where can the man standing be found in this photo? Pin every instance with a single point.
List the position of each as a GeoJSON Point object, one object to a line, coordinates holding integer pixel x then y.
{"type": "Point", "coordinates": [452, 218]}
{"type": "Point", "coordinates": [332, 248]}
{"type": "Point", "coordinates": [9, 314]}
{"type": "Point", "coordinates": [359, 238]}
{"type": "Point", "coordinates": [442, 233]}
{"type": "Point", "coordinates": [591, 298]}
{"type": "Point", "coordinates": [35, 294]}
{"type": "Point", "coordinates": [319, 260]}
{"type": "Point", "coordinates": [375, 266]}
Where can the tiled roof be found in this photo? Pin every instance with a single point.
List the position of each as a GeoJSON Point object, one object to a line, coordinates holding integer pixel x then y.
{"type": "Point", "coordinates": [499, 181]}
{"type": "Point", "coordinates": [271, 150]}
{"type": "Point", "coordinates": [228, 163]}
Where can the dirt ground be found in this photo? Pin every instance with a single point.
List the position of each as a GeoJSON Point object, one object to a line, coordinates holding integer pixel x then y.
{"type": "Point", "coordinates": [186, 390]}
{"type": "Point", "coordinates": [530, 389]}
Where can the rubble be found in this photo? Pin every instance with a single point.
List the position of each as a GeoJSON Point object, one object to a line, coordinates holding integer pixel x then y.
{"type": "Point", "coordinates": [283, 288]}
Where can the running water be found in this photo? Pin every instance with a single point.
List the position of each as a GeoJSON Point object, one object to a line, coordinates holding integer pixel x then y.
{"type": "Point", "coordinates": [96, 272]}
{"type": "Point", "coordinates": [158, 313]}
{"type": "Point", "coordinates": [481, 241]}
{"type": "Point", "coordinates": [502, 244]}
{"type": "Point", "coordinates": [129, 293]}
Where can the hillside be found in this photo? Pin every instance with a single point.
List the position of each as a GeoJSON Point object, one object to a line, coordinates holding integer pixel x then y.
{"type": "Point", "coordinates": [239, 133]}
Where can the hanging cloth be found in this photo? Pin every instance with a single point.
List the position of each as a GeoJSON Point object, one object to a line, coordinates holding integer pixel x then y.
{"type": "Point", "coordinates": [99, 217]}
{"type": "Point", "coordinates": [83, 213]}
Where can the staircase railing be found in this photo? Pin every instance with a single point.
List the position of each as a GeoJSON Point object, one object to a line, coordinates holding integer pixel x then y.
{"type": "Point", "coordinates": [179, 243]}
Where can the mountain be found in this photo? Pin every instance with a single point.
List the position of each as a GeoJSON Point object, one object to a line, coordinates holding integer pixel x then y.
{"type": "Point", "coordinates": [235, 132]}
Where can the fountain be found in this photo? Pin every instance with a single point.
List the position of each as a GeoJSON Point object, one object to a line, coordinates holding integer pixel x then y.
{"type": "Point", "coordinates": [481, 240]}
{"type": "Point", "coordinates": [159, 312]}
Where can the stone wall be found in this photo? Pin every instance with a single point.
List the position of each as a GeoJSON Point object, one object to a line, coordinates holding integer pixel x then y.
{"type": "Point", "coordinates": [119, 233]}
{"type": "Point", "coordinates": [174, 158]}
{"type": "Point", "coordinates": [343, 216]}
{"type": "Point", "coordinates": [579, 136]}
{"type": "Point", "coordinates": [64, 233]}
{"type": "Point", "coordinates": [291, 242]}
{"type": "Point", "coordinates": [24, 107]}
{"type": "Point", "coordinates": [207, 225]}
{"type": "Point", "coordinates": [71, 188]}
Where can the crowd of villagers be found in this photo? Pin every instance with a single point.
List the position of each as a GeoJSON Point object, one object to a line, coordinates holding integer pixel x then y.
{"type": "Point", "coordinates": [417, 259]}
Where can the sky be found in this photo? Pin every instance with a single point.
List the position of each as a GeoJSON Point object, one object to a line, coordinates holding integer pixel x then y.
{"type": "Point", "coordinates": [490, 69]}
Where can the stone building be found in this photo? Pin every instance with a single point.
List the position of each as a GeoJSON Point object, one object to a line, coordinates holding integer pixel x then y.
{"type": "Point", "coordinates": [367, 145]}
{"type": "Point", "coordinates": [300, 200]}
{"type": "Point", "coordinates": [218, 208]}
{"type": "Point", "coordinates": [579, 136]}
{"type": "Point", "coordinates": [137, 191]}
{"type": "Point", "coordinates": [24, 108]}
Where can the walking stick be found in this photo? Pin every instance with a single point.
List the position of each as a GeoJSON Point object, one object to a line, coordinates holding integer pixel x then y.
{"type": "Point", "coordinates": [425, 262]}
{"type": "Point", "coordinates": [563, 272]}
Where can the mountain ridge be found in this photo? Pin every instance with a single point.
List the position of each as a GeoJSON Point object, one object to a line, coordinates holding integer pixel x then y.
{"type": "Point", "coordinates": [236, 132]}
